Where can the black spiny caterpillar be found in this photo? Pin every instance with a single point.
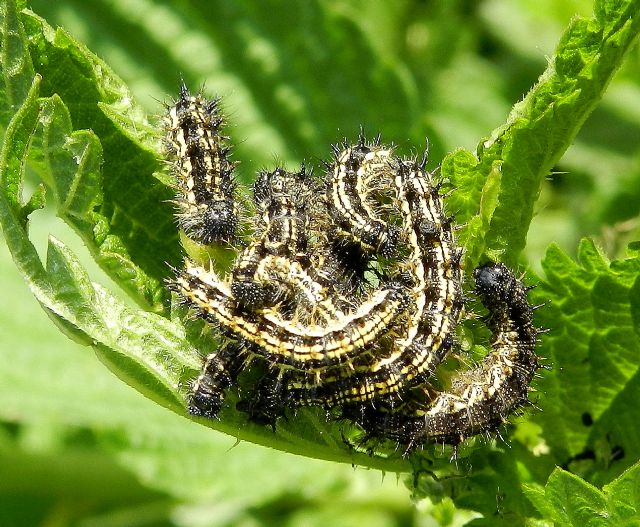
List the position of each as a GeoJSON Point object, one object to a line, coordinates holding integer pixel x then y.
{"type": "Point", "coordinates": [347, 293]}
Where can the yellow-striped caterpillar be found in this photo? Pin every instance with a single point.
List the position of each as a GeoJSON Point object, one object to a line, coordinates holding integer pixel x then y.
{"type": "Point", "coordinates": [347, 293]}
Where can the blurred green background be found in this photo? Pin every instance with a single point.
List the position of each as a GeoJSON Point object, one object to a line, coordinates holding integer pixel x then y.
{"type": "Point", "coordinates": [77, 446]}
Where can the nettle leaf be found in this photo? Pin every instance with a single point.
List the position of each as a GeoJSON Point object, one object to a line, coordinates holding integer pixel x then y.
{"type": "Point", "coordinates": [568, 500]}
{"type": "Point", "coordinates": [124, 218]}
{"type": "Point", "coordinates": [63, 287]}
{"type": "Point", "coordinates": [499, 187]}
{"type": "Point", "coordinates": [590, 396]}
{"type": "Point", "coordinates": [16, 63]}
{"type": "Point", "coordinates": [62, 411]}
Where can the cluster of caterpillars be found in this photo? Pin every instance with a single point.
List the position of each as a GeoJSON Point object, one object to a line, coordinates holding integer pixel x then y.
{"type": "Point", "coordinates": [346, 294]}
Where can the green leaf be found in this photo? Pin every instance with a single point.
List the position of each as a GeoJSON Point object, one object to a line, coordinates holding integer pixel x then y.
{"type": "Point", "coordinates": [513, 163]}
{"type": "Point", "coordinates": [15, 63]}
{"type": "Point", "coordinates": [65, 290]}
{"type": "Point", "coordinates": [14, 149]}
{"type": "Point", "coordinates": [62, 412]}
{"type": "Point", "coordinates": [123, 216]}
{"type": "Point", "coordinates": [567, 500]}
{"type": "Point", "coordinates": [589, 398]}
{"type": "Point", "coordinates": [623, 497]}
{"type": "Point", "coordinates": [70, 166]}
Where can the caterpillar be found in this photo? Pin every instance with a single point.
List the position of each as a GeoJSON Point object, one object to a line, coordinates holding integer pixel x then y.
{"type": "Point", "coordinates": [347, 293]}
